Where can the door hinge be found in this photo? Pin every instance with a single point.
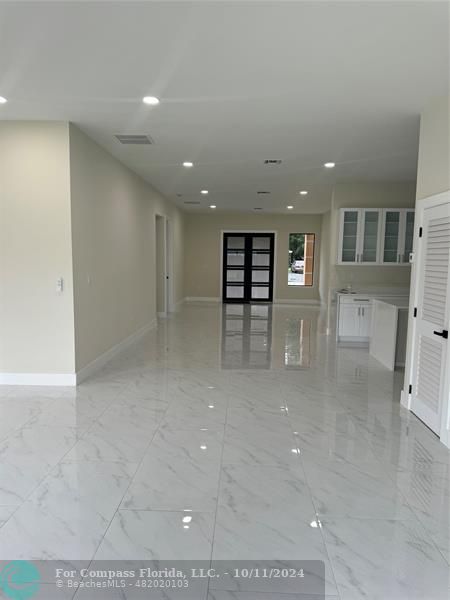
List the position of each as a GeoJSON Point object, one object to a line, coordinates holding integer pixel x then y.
{"type": "Point", "coordinates": [410, 389]}
{"type": "Point", "coordinates": [420, 231]}
{"type": "Point", "coordinates": [415, 312]}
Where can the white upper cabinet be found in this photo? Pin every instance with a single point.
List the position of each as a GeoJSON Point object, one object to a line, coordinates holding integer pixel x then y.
{"type": "Point", "coordinates": [397, 236]}
{"type": "Point", "coordinates": [375, 236]}
{"type": "Point", "coordinates": [359, 236]}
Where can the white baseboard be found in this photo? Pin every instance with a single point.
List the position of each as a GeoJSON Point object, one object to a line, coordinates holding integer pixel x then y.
{"type": "Point", "coordinates": [99, 362]}
{"type": "Point", "coordinates": [48, 379]}
{"type": "Point", "coordinates": [202, 299]}
{"type": "Point", "coordinates": [177, 305]}
{"type": "Point", "coordinates": [297, 302]}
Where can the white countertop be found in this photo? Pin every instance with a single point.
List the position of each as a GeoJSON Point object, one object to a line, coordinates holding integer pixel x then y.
{"type": "Point", "coordinates": [399, 302]}
{"type": "Point", "coordinates": [377, 293]}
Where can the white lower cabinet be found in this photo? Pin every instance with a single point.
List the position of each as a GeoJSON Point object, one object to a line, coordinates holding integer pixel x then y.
{"type": "Point", "coordinates": [354, 319]}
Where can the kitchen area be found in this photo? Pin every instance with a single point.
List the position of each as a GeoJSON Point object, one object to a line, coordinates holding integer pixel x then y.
{"type": "Point", "coordinates": [375, 316]}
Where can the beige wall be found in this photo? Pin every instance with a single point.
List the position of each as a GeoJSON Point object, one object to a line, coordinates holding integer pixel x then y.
{"type": "Point", "coordinates": [433, 169]}
{"type": "Point", "coordinates": [114, 243]}
{"type": "Point", "coordinates": [36, 323]}
{"type": "Point", "coordinates": [367, 195]}
{"type": "Point", "coordinates": [203, 250]}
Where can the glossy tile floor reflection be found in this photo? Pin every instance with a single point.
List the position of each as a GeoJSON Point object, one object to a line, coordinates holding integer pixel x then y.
{"type": "Point", "coordinates": [278, 444]}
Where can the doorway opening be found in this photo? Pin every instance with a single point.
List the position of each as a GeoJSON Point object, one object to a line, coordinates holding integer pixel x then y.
{"type": "Point", "coordinates": [248, 261]}
{"type": "Point", "coordinates": [163, 265]}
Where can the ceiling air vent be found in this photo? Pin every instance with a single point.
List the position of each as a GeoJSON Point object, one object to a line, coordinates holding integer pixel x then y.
{"type": "Point", "coordinates": [262, 192]}
{"type": "Point", "coordinates": [272, 161]}
{"type": "Point", "coordinates": [135, 139]}
{"type": "Point", "coordinates": [257, 208]}
{"type": "Point", "coordinates": [191, 202]}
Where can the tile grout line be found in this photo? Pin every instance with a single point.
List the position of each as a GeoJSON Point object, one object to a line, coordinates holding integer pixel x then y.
{"type": "Point", "coordinates": [218, 491]}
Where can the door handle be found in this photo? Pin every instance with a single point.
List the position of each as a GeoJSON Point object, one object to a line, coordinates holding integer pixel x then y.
{"type": "Point", "coordinates": [443, 334]}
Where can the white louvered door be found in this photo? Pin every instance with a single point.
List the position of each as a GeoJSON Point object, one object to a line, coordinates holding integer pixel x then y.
{"type": "Point", "coordinates": [431, 334]}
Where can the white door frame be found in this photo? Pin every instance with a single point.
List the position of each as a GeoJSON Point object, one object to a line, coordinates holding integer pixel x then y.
{"type": "Point", "coordinates": [416, 282]}
{"type": "Point", "coordinates": [169, 266]}
{"type": "Point", "coordinates": [167, 246]}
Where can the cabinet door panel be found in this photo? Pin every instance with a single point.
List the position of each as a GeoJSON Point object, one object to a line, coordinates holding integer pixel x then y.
{"type": "Point", "coordinates": [391, 236]}
{"type": "Point", "coordinates": [365, 321]}
{"type": "Point", "coordinates": [370, 236]}
{"type": "Point", "coordinates": [407, 245]}
{"type": "Point", "coordinates": [349, 320]}
{"type": "Point", "coordinates": [349, 236]}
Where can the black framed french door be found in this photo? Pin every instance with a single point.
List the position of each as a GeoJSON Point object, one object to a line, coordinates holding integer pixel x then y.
{"type": "Point", "coordinates": [247, 274]}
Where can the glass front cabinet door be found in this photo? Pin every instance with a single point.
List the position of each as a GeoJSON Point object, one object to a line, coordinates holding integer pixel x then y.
{"type": "Point", "coordinates": [408, 237]}
{"type": "Point", "coordinates": [370, 236]}
{"type": "Point", "coordinates": [359, 239]}
{"type": "Point", "coordinates": [391, 236]}
{"type": "Point", "coordinates": [398, 235]}
{"type": "Point", "coordinates": [349, 236]}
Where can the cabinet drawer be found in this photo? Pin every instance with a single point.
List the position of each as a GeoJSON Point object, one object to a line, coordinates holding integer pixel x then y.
{"type": "Point", "coordinates": [355, 299]}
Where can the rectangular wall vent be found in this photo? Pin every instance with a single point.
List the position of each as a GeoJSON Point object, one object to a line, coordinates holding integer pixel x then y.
{"type": "Point", "coordinates": [135, 139]}
{"type": "Point", "coordinates": [261, 192]}
{"type": "Point", "coordinates": [191, 202]}
{"type": "Point", "coordinates": [272, 161]}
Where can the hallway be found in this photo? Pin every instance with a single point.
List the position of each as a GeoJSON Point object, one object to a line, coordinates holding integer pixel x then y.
{"type": "Point", "coordinates": [231, 434]}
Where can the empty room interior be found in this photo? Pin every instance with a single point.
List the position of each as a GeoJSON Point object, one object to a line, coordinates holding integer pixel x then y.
{"type": "Point", "coordinates": [225, 300]}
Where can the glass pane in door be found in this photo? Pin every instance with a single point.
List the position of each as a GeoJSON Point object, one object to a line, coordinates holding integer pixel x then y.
{"type": "Point", "coordinates": [260, 259]}
{"type": "Point", "coordinates": [235, 275]}
{"type": "Point", "coordinates": [260, 293]}
{"type": "Point", "coordinates": [349, 236]}
{"type": "Point", "coordinates": [236, 242]}
{"type": "Point", "coordinates": [261, 243]}
{"type": "Point", "coordinates": [260, 276]}
{"type": "Point", "coordinates": [235, 259]}
{"type": "Point", "coordinates": [235, 291]}
{"type": "Point", "coordinates": [370, 238]}
{"type": "Point", "coordinates": [391, 236]}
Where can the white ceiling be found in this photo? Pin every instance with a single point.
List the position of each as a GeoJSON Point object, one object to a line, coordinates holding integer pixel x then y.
{"type": "Point", "coordinates": [239, 82]}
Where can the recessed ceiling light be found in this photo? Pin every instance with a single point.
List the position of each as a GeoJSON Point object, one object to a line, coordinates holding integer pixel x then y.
{"type": "Point", "coordinates": [188, 164]}
{"type": "Point", "coordinates": [303, 193]}
{"type": "Point", "coordinates": [289, 207]}
{"type": "Point", "coordinates": [204, 192]}
{"type": "Point", "coordinates": [3, 100]}
{"type": "Point", "coordinates": [212, 206]}
{"type": "Point", "coordinates": [151, 100]}
{"type": "Point", "coordinates": [329, 165]}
